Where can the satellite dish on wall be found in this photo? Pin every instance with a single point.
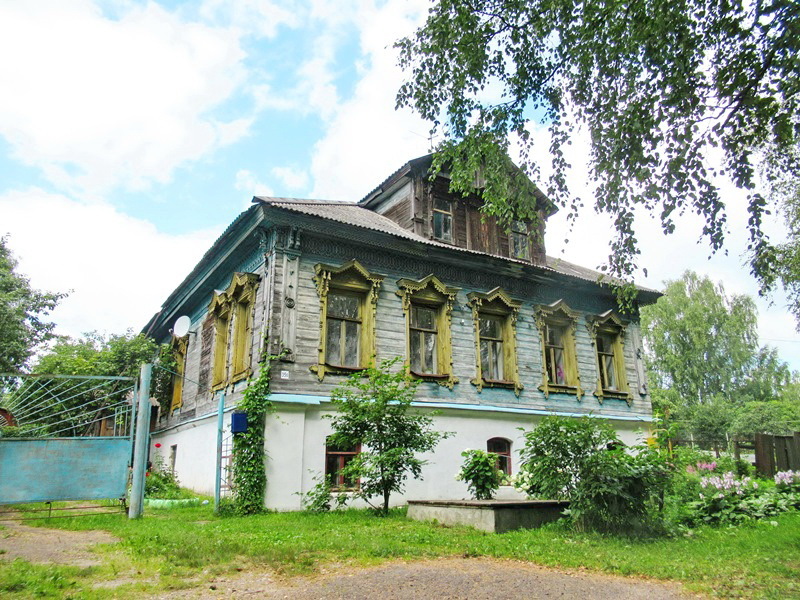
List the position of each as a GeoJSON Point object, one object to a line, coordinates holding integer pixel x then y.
{"type": "Point", "coordinates": [181, 327]}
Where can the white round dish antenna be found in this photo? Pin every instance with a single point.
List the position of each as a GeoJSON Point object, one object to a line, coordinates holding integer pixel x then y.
{"type": "Point", "coordinates": [181, 327]}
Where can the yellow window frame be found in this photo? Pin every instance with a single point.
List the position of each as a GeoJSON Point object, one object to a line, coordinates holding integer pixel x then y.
{"type": "Point", "coordinates": [610, 324]}
{"type": "Point", "coordinates": [559, 315]}
{"type": "Point", "coordinates": [350, 278]}
{"type": "Point", "coordinates": [430, 292]}
{"type": "Point", "coordinates": [234, 306]}
{"type": "Point", "coordinates": [499, 304]}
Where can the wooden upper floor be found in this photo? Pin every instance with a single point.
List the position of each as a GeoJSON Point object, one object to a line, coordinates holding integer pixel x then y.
{"type": "Point", "coordinates": [428, 208]}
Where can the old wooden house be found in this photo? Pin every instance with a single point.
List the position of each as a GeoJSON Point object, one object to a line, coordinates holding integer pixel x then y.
{"type": "Point", "coordinates": [499, 333]}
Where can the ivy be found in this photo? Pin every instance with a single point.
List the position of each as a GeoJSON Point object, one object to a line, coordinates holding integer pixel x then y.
{"type": "Point", "coordinates": [162, 378]}
{"type": "Point", "coordinates": [249, 474]}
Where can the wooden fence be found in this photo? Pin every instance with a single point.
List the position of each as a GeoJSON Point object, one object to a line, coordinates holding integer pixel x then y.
{"type": "Point", "coordinates": [773, 452]}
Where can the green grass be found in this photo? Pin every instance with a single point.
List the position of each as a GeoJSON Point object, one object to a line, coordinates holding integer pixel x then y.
{"type": "Point", "coordinates": [186, 546]}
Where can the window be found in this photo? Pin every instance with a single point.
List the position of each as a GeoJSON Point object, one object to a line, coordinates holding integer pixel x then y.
{"type": "Point", "coordinates": [179, 346]}
{"type": "Point", "coordinates": [336, 459]}
{"type": "Point", "coordinates": [607, 332]}
{"type": "Point", "coordinates": [222, 321]}
{"type": "Point", "coordinates": [423, 332]}
{"type": "Point", "coordinates": [243, 298]}
{"type": "Point", "coordinates": [443, 220]}
{"type": "Point", "coordinates": [428, 305]}
{"type": "Point", "coordinates": [234, 306]}
{"type": "Point", "coordinates": [173, 456]}
{"type": "Point", "coordinates": [491, 347]}
{"type": "Point", "coordinates": [343, 330]}
{"type": "Point", "coordinates": [495, 318]}
{"type": "Point", "coordinates": [501, 447]}
{"type": "Point", "coordinates": [348, 299]}
{"type": "Point", "coordinates": [520, 242]}
{"type": "Point", "coordinates": [557, 326]}
{"type": "Point", "coordinates": [606, 363]}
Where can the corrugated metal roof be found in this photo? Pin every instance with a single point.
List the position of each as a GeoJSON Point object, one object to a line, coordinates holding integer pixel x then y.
{"type": "Point", "coordinates": [349, 213]}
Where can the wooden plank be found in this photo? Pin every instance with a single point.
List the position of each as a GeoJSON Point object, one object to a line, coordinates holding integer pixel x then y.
{"type": "Point", "coordinates": [794, 460]}
{"type": "Point", "coordinates": [781, 452]}
{"type": "Point", "coordinates": [765, 455]}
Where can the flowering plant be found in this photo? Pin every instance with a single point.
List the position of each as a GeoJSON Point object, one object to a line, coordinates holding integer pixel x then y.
{"type": "Point", "coordinates": [788, 481]}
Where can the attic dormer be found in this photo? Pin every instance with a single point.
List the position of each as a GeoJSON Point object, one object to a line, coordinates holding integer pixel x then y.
{"type": "Point", "coordinates": [428, 208]}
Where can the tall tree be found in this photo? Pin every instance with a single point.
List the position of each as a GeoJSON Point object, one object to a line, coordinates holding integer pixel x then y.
{"type": "Point", "coordinates": [701, 343]}
{"type": "Point", "coordinates": [23, 314]}
{"type": "Point", "coordinates": [657, 84]}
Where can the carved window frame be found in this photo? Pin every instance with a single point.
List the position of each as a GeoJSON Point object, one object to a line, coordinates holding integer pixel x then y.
{"type": "Point", "coordinates": [242, 292]}
{"type": "Point", "coordinates": [430, 292]}
{"type": "Point", "coordinates": [609, 323]}
{"type": "Point", "coordinates": [558, 314]}
{"type": "Point", "coordinates": [233, 307]}
{"type": "Point", "coordinates": [179, 348]}
{"type": "Point", "coordinates": [497, 303]}
{"type": "Point", "coordinates": [350, 278]}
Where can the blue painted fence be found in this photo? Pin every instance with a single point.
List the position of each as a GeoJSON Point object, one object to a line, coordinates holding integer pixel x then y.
{"type": "Point", "coordinates": [43, 470]}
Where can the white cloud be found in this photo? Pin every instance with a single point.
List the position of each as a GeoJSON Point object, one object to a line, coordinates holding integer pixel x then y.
{"type": "Point", "coordinates": [119, 269]}
{"type": "Point", "coordinates": [248, 182]}
{"type": "Point", "coordinates": [366, 139]}
{"type": "Point", "coordinates": [292, 177]}
{"type": "Point", "coordinates": [257, 17]}
{"type": "Point", "coordinates": [99, 102]}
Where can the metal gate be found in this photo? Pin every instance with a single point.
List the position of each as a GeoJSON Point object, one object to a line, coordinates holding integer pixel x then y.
{"type": "Point", "coordinates": [65, 437]}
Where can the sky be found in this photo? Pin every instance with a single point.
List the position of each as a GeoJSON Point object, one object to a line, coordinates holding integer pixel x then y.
{"type": "Point", "coordinates": [132, 133]}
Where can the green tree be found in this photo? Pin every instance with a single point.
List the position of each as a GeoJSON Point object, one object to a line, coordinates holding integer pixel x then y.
{"type": "Point", "coordinates": [700, 342]}
{"type": "Point", "coordinates": [91, 355]}
{"type": "Point", "coordinates": [373, 411]}
{"type": "Point", "coordinates": [778, 417]}
{"type": "Point", "coordinates": [23, 315]}
{"type": "Point", "coordinates": [782, 263]}
{"type": "Point", "coordinates": [660, 86]}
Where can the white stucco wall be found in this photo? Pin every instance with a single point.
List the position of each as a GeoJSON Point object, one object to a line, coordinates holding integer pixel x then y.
{"type": "Point", "coordinates": [196, 456]}
{"type": "Point", "coordinates": [295, 449]}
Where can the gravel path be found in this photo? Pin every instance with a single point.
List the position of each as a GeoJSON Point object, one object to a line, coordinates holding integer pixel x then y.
{"type": "Point", "coordinates": [39, 545]}
{"type": "Point", "coordinates": [445, 579]}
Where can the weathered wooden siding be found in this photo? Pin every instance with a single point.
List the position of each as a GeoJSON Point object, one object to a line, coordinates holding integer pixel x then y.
{"type": "Point", "coordinates": [398, 207]}
{"type": "Point", "coordinates": [197, 397]}
{"type": "Point", "coordinates": [287, 273]}
{"type": "Point", "coordinates": [391, 334]}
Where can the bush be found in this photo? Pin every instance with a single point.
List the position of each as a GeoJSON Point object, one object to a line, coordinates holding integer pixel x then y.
{"type": "Point", "coordinates": [163, 483]}
{"type": "Point", "coordinates": [481, 474]}
{"type": "Point", "coordinates": [320, 497]}
{"type": "Point", "coordinates": [582, 460]}
{"type": "Point", "coordinates": [621, 492]}
{"type": "Point", "coordinates": [554, 453]}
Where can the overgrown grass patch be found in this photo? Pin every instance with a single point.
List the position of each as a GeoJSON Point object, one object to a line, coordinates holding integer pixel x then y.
{"type": "Point", "coordinates": [756, 560]}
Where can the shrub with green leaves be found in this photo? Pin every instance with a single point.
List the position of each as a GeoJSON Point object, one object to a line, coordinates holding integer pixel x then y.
{"type": "Point", "coordinates": [322, 496]}
{"type": "Point", "coordinates": [583, 461]}
{"type": "Point", "coordinates": [621, 492]}
{"type": "Point", "coordinates": [555, 451]}
{"type": "Point", "coordinates": [479, 471]}
{"type": "Point", "coordinates": [163, 483]}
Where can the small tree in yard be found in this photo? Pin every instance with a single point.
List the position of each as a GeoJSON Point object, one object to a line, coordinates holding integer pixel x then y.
{"type": "Point", "coordinates": [373, 411]}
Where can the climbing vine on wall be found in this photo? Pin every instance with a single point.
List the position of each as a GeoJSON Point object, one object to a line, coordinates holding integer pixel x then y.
{"type": "Point", "coordinates": [161, 382]}
{"type": "Point", "coordinates": [249, 474]}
